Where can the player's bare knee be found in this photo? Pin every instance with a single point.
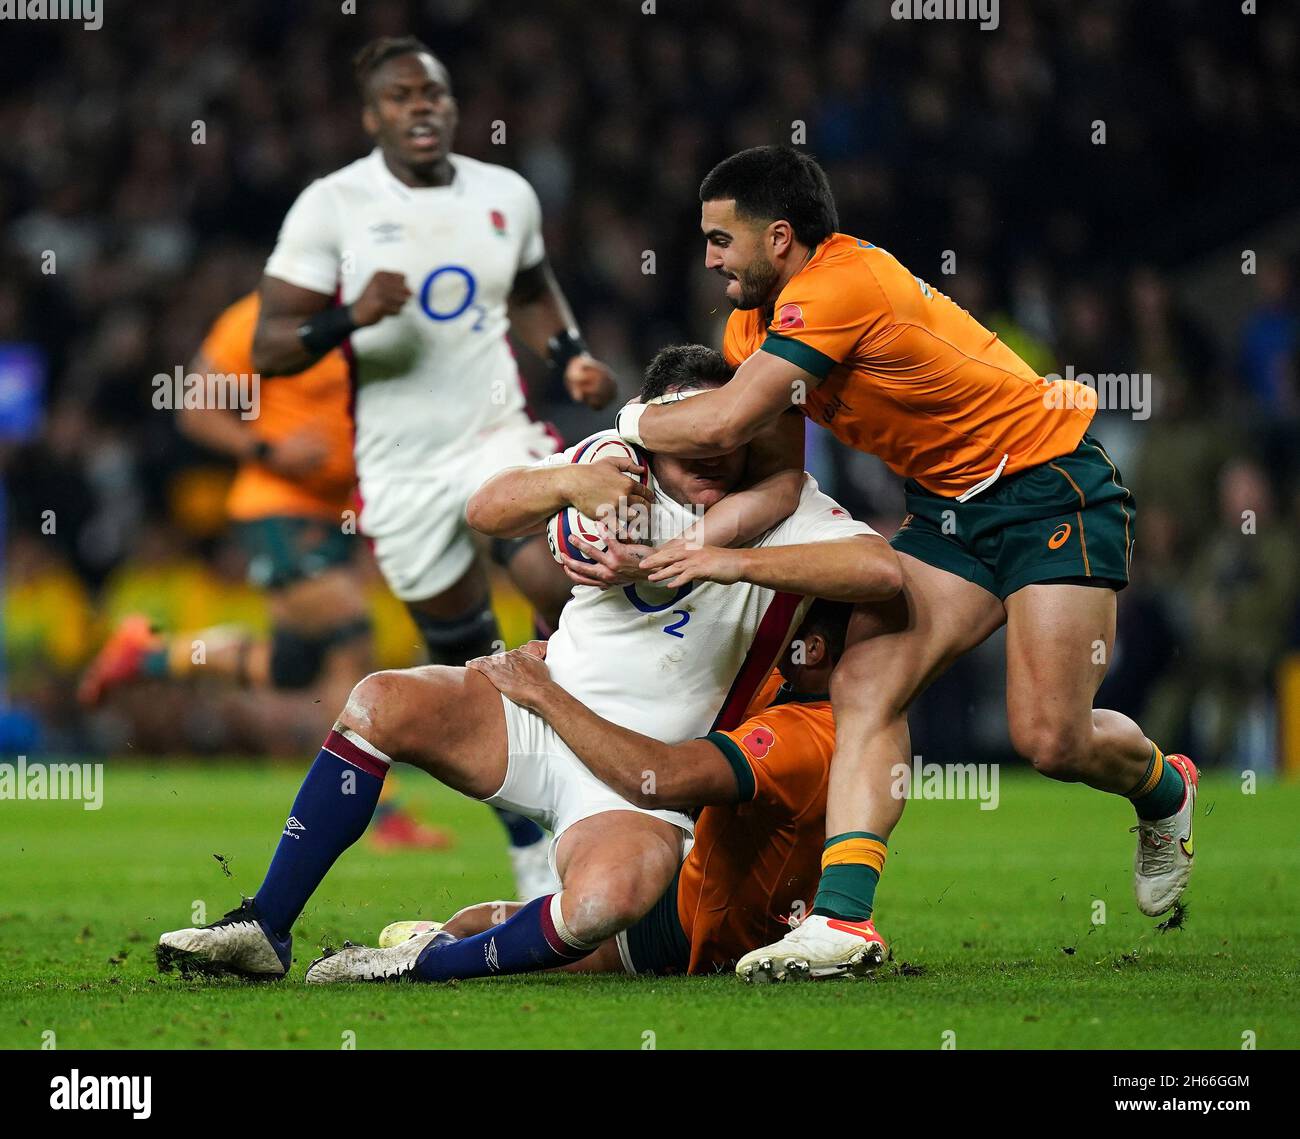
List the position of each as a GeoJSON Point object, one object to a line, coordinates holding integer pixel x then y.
{"type": "Point", "coordinates": [375, 710]}
{"type": "Point", "coordinates": [600, 911]}
{"type": "Point", "coordinates": [590, 916]}
{"type": "Point", "coordinates": [863, 704]}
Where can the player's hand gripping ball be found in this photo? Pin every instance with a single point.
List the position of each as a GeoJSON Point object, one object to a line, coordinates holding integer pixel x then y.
{"type": "Point", "coordinates": [630, 515]}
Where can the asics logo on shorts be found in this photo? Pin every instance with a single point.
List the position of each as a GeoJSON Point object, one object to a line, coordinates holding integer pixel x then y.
{"type": "Point", "coordinates": [1058, 539]}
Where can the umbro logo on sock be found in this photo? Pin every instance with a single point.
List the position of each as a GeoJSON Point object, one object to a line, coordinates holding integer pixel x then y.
{"type": "Point", "coordinates": [493, 962]}
{"type": "Point", "coordinates": [291, 826]}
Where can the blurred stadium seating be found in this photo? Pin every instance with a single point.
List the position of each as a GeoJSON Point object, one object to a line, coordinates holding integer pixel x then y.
{"type": "Point", "coordinates": [1127, 257]}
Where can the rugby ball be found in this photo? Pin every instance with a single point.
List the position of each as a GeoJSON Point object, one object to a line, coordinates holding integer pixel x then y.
{"type": "Point", "coordinates": [571, 523]}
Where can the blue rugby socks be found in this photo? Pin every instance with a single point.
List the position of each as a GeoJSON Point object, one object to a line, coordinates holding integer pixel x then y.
{"type": "Point", "coordinates": [534, 937]}
{"type": "Point", "coordinates": [332, 810]}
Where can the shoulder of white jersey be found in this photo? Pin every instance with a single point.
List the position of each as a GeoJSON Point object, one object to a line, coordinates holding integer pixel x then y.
{"type": "Point", "coordinates": [818, 510]}
{"type": "Point", "coordinates": [323, 198]}
{"type": "Point", "coordinates": [490, 173]}
{"type": "Point", "coordinates": [359, 172]}
{"type": "Point", "coordinates": [814, 500]}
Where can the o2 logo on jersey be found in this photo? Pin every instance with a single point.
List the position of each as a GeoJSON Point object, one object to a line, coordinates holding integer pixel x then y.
{"type": "Point", "coordinates": [673, 628]}
{"type": "Point", "coordinates": [454, 296]}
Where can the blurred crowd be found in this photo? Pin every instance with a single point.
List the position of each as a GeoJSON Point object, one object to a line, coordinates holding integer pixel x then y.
{"type": "Point", "coordinates": [1067, 177]}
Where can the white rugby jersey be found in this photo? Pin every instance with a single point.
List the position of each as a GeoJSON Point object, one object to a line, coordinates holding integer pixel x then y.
{"type": "Point", "coordinates": [676, 663]}
{"type": "Point", "coordinates": [441, 370]}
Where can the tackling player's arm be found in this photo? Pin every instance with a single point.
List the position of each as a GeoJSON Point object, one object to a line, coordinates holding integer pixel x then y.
{"type": "Point", "coordinates": [859, 568]}
{"type": "Point", "coordinates": [774, 481]}
{"type": "Point", "coordinates": [721, 420]}
{"type": "Point", "coordinates": [691, 774]}
{"type": "Point", "coordinates": [520, 500]}
{"type": "Point", "coordinates": [541, 318]}
{"type": "Point", "coordinates": [297, 326]}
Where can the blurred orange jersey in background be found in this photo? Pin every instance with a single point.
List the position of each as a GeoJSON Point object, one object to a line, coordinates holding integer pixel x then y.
{"type": "Point", "coordinates": [317, 400]}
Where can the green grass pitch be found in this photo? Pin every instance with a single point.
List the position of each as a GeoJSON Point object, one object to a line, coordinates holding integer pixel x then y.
{"type": "Point", "coordinates": [990, 914]}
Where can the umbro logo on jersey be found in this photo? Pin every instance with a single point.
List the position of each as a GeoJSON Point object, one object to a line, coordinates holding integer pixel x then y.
{"type": "Point", "coordinates": [292, 826]}
{"type": "Point", "coordinates": [386, 232]}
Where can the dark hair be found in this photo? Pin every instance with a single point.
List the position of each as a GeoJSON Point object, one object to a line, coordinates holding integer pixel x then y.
{"type": "Point", "coordinates": [831, 620]}
{"type": "Point", "coordinates": [378, 52]}
{"type": "Point", "coordinates": [771, 183]}
{"type": "Point", "coordinates": [683, 366]}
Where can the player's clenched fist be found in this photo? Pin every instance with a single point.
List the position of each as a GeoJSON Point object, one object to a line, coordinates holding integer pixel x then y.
{"type": "Point", "coordinates": [595, 489]}
{"type": "Point", "coordinates": [589, 381]}
{"type": "Point", "coordinates": [384, 295]}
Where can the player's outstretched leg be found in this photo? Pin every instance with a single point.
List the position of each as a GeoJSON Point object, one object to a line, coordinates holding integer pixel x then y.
{"type": "Point", "coordinates": [332, 810]}
{"type": "Point", "coordinates": [895, 649]}
{"type": "Point", "coordinates": [1059, 638]}
{"type": "Point", "coordinates": [614, 867]}
{"type": "Point", "coordinates": [446, 720]}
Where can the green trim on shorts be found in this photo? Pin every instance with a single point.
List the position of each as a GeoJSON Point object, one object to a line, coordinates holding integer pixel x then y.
{"type": "Point", "coordinates": [657, 943]}
{"type": "Point", "coordinates": [745, 783]}
{"type": "Point", "coordinates": [799, 354]}
{"type": "Point", "coordinates": [1069, 517]}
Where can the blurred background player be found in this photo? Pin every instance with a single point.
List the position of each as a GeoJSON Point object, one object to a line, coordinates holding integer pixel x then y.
{"type": "Point", "coordinates": [290, 502]}
{"type": "Point", "coordinates": [423, 261]}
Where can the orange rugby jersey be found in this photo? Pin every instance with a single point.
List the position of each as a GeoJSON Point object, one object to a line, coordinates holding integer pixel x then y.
{"type": "Point", "coordinates": [317, 400]}
{"type": "Point", "coordinates": [753, 861]}
{"type": "Point", "coordinates": [908, 375]}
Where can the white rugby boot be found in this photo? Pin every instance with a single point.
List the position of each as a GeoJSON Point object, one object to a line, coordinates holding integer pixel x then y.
{"type": "Point", "coordinates": [1163, 862]}
{"type": "Point", "coordinates": [817, 948]}
{"type": "Point", "coordinates": [238, 944]}
{"type": "Point", "coordinates": [362, 963]}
